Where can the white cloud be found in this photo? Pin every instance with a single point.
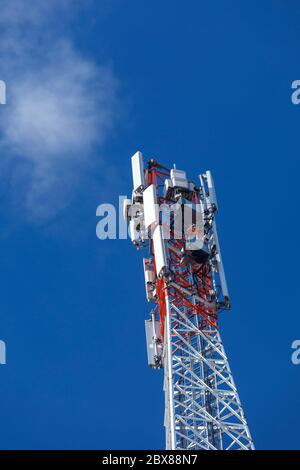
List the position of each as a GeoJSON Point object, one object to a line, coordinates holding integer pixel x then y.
{"type": "Point", "coordinates": [64, 107]}
{"type": "Point", "coordinates": [61, 106]}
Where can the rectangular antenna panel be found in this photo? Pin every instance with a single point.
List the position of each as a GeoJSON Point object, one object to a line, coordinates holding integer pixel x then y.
{"type": "Point", "coordinates": [154, 349]}
{"type": "Point", "coordinates": [159, 250]}
{"type": "Point", "coordinates": [211, 188]}
{"type": "Point", "coordinates": [178, 178]}
{"type": "Point", "coordinates": [151, 212]}
{"type": "Point", "coordinates": [138, 175]}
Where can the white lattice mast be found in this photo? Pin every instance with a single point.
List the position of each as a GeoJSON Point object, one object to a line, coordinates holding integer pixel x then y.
{"type": "Point", "coordinates": [185, 282]}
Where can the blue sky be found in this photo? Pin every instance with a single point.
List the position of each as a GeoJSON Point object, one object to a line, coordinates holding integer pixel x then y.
{"type": "Point", "coordinates": [206, 85]}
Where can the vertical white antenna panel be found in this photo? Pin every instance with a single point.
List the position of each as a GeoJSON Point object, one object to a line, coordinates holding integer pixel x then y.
{"type": "Point", "coordinates": [207, 204]}
{"type": "Point", "coordinates": [151, 213]}
{"type": "Point", "coordinates": [220, 263]}
{"type": "Point", "coordinates": [148, 270]}
{"type": "Point", "coordinates": [134, 236]}
{"type": "Point", "coordinates": [149, 278]}
{"type": "Point", "coordinates": [154, 343]}
{"type": "Point", "coordinates": [211, 189]}
{"type": "Point", "coordinates": [138, 174]}
{"type": "Point", "coordinates": [159, 250]}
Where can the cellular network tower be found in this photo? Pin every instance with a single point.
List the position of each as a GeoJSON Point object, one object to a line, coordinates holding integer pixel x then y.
{"type": "Point", "coordinates": [185, 282]}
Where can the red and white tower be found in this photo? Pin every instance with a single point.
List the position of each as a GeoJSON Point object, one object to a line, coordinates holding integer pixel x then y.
{"type": "Point", "coordinates": [185, 282]}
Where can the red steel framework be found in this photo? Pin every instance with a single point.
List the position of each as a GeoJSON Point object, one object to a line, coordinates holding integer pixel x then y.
{"type": "Point", "coordinates": [180, 290]}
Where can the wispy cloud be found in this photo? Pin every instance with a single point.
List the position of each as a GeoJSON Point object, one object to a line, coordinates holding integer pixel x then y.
{"type": "Point", "coordinates": [61, 106]}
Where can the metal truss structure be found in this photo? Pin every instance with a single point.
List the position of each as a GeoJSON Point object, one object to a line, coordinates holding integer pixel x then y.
{"type": "Point", "coordinates": [185, 282]}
